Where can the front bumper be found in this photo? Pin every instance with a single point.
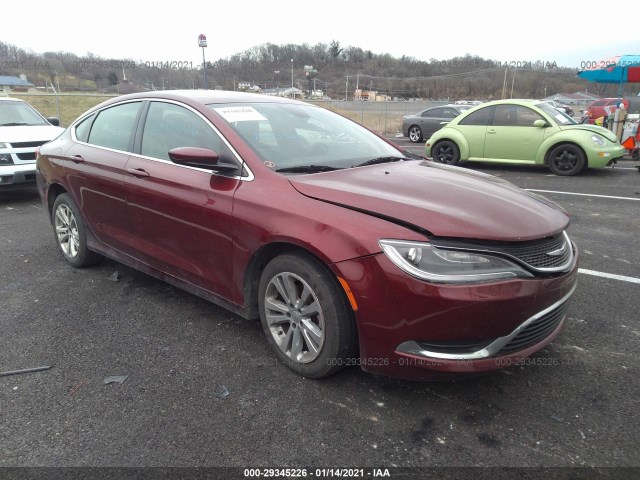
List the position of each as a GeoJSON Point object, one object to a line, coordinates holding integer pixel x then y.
{"type": "Point", "coordinates": [13, 175]}
{"type": "Point", "coordinates": [412, 329]}
{"type": "Point", "coordinates": [603, 156]}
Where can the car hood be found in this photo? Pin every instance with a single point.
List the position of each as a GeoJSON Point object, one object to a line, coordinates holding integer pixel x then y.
{"type": "Point", "coordinates": [29, 133]}
{"type": "Point", "coordinates": [441, 200]}
{"type": "Point", "coordinates": [608, 134]}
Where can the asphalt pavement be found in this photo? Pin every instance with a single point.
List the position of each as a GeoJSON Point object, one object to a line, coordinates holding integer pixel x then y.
{"type": "Point", "coordinates": [202, 387]}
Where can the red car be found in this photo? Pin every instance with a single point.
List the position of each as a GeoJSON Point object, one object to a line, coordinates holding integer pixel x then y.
{"type": "Point", "coordinates": [349, 251]}
{"type": "Point", "coordinates": [601, 108]}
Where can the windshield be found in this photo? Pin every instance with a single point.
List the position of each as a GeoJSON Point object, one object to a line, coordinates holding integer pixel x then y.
{"type": "Point", "coordinates": [559, 116]}
{"type": "Point", "coordinates": [295, 135]}
{"type": "Point", "coordinates": [19, 113]}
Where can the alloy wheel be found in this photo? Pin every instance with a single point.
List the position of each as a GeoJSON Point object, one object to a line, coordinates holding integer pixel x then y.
{"type": "Point", "coordinates": [294, 317]}
{"type": "Point", "coordinates": [66, 229]}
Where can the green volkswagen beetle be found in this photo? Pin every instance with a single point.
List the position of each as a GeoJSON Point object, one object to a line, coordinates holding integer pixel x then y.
{"type": "Point", "coordinates": [524, 132]}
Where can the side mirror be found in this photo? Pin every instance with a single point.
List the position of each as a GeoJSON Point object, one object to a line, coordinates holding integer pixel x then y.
{"type": "Point", "coordinates": [200, 158]}
{"type": "Point", "coordinates": [540, 123]}
{"type": "Point", "coordinates": [53, 121]}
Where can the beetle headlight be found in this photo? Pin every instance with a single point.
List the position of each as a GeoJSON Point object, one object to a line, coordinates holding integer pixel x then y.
{"type": "Point", "coordinates": [597, 139]}
{"type": "Point", "coordinates": [437, 265]}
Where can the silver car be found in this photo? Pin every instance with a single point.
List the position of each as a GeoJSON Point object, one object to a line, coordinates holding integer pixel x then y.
{"type": "Point", "coordinates": [425, 123]}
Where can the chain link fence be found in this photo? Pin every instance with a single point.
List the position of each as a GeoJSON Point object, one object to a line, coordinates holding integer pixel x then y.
{"type": "Point", "coordinates": [381, 117]}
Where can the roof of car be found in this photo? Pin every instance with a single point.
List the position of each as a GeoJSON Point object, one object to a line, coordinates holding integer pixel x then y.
{"type": "Point", "coordinates": [209, 96]}
{"type": "Point", "coordinates": [10, 99]}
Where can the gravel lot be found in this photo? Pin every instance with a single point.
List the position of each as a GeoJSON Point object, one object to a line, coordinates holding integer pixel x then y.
{"type": "Point", "coordinates": [574, 405]}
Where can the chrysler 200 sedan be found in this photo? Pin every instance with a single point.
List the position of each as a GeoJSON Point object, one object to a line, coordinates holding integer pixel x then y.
{"type": "Point", "coordinates": [348, 251]}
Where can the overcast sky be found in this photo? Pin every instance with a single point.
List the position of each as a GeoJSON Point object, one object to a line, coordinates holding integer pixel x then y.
{"type": "Point", "coordinates": [565, 32]}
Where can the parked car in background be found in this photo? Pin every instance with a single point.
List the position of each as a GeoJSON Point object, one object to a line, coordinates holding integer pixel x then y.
{"type": "Point", "coordinates": [601, 108]}
{"type": "Point", "coordinates": [473, 103]}
{"type": "Point", "coordinates": [524, 132]}
{"type": "Point", "coordinates": [560, 106]}
{"type": "Point", "coordinates": [22, 129]}
{"type": "Point", "coordinates": [348, 252]}
{"type": "Point", "coordinates": [425, 123]}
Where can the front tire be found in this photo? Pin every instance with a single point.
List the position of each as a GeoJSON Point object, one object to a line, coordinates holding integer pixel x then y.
{"type": "Point", "coordinates": [446, 152]}
{"type": "Point", "coordinates": [415, 134]}
{"type": "Point", "coordinates": [305, 316]}
{"type": "Point", "coordinates": [566, 159]}
{"type": "Point", "coordinates": [70, 233]}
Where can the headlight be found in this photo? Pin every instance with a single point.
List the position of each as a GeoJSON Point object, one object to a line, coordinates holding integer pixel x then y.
{"type": "Point", "coordinates": [5, 157]}
{"type": "Point", "coordinates": [597, 139]}
{"type": "Point", "coordinates": [426, 262]}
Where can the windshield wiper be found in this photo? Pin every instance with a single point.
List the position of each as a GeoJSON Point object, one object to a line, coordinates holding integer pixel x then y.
{"type": "Point", "coordinates": [375, 161]}
{"type": "Point", "coordinates": [307, 169]}
{"type": "Point", "coordinates": [13, 124]}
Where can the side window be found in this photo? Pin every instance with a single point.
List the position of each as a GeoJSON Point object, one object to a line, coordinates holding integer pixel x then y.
{"type": "Point", "coordinates": [479, 117]}
{"type": "Point", "coordinates": [169, 126]}
{"type": "Point", "coordinates": [82, 129]}
{"type": "Point", "coordinates": [449, 113]}
{"type": "Point", "coordinates": [434, 112]}
{"type": "Point", "coordinates": [114, 127]}
{"type": "Point", "coordinates": [514, 116]}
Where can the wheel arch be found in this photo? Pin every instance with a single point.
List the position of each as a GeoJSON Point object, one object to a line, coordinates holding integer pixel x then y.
{"type": "Point", "coordinates": [551, 146]}
{"type": "Point", "coordinates": [54, 191]}
{"type": "Point", "coordinates": [458, 139]}
{"type": "Point", "coordinates": [258, 262]}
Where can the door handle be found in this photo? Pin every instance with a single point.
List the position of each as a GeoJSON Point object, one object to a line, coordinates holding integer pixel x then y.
{"type": "Point", "coordinates": [77, 158]}
{"type": "Point", "coordinates": [491, 131]}
{"type": "Point", "coordinates": [138, 172]}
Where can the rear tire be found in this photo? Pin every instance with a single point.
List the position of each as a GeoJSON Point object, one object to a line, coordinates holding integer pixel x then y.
{"type": "Point", "coordinates": [415, 134]}
{"type": "Point", "coordinates": [70, 233]}
{"type": "Point", "coordinates": [305, 316]}
{"type": "Point", "coordinates": [446, 152]}
{"type": "Point", "coordinates": [566, 159]}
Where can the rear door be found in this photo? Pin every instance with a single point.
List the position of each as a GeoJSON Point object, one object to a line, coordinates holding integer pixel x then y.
{"type": "Point", "coordinates": [95, 171]}
{"type": "Point", "coordinates": [181, 216]}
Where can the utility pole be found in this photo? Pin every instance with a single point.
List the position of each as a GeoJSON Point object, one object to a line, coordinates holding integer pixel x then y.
{"type": "Point", "coordinates": [513, 80]}
{"type": "Point", "coordinates": [504, 83]}
{"type": "Point", "coordinates": [292, 94]}
{"type": "Point", "coordinates": [346, 90]}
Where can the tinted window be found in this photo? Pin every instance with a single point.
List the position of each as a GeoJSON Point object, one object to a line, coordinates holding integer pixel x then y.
{"type": "Point", "coordinates": [479, 117]}
{"type": "Point", "coordinates": [433, 112]}
{"type": "Point", "coordinates": [449, 113]}
{"type": "Point", "coordinates": [169, 126]}
{"type": "Point", "coordinates": [514, 116]}
{"type": "Point", "coordinates": [82, 129]}
{"type": "Point", "coordinates": [115, 127]}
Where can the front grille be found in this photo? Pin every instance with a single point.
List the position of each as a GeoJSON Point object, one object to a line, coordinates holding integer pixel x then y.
{"type": "Point", "coordinates": [28, 144]}
{"type": "Point", "coordinates": [27, 156]}
{"type": "Point", "coordinates": [536, 331]}
{"type": "Point", "coordinates": [534, 253]}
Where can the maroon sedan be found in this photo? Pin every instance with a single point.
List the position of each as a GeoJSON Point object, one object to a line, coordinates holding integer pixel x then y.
{"type": "Point", "coordinates": [349, 251]}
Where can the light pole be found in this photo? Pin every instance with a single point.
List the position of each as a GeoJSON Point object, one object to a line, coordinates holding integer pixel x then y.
{"type": "Point", "coordinates": [292, 94]}
{"type": "Point", "coordinates": [277, 72]}
{"type": "Point", "coordinates": [202, 42]}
